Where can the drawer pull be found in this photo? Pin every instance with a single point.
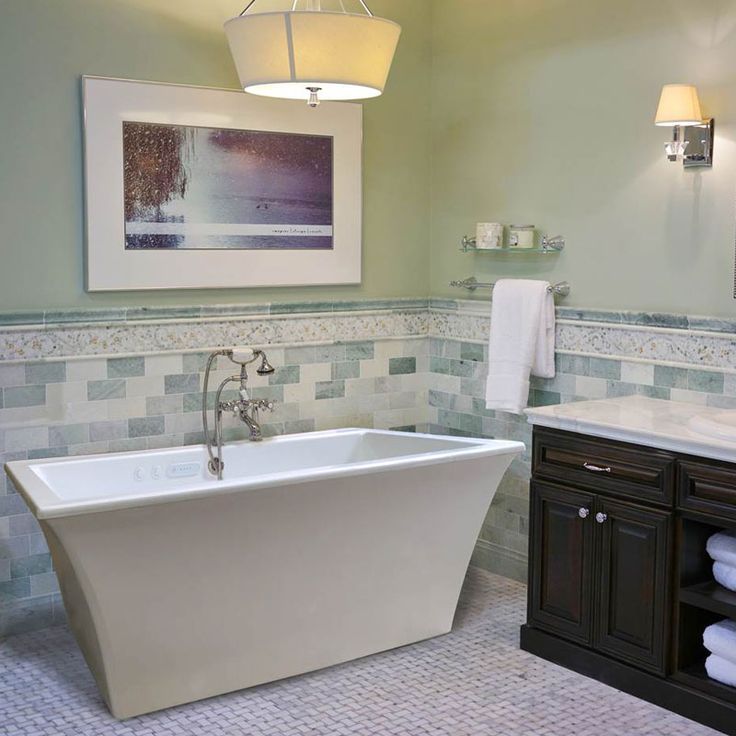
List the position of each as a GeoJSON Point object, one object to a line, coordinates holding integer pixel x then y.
{"type": "Point", "coordinates": [596, 468]}
{"type": "Point", "coordinates": [584, 513]}
{"type": "Point", "coordinates": [601, 518]}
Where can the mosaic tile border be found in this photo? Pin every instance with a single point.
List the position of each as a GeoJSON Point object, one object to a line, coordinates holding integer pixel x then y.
{"type": "Point", "coordinates": [146, 338]}
{"type": "Point", "coordinates": [685, 347]}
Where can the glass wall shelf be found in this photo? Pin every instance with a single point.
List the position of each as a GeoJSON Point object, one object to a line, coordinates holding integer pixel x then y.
{"type": "Point", "coordinates": [548, 246]}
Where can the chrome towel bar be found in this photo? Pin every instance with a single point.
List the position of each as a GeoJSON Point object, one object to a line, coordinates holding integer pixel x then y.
{"type": "Point", "coordinates": [561, 289]}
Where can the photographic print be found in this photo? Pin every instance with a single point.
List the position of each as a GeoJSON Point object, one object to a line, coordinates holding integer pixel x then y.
{"type": "Point", "coordinates": [201, 188]}
{"type": "Point", "coordinates": [194, 187]}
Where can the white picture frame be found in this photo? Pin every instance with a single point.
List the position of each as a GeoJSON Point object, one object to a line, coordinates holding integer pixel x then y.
{"type": "Point", "coordinates": [110, 266]}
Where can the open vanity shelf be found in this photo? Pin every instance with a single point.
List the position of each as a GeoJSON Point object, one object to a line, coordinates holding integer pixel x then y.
{"type": "Point", "coordinates": [620, 582]}
{"type": "Point", "coordinates": [548, 246]}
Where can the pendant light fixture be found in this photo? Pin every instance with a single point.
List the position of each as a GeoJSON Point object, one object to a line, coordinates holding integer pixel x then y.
{"type": "Point", "coordinates": [307, 53]}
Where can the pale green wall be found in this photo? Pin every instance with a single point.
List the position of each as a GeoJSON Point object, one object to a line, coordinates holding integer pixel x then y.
{"type": "Point", "coordinates": [543, 113]}
{"type": "Point", "coordinates": [45, 45]}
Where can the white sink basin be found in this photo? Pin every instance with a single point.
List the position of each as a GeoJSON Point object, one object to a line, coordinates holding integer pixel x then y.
{"type": "Point", "coordinates": [721, 426]}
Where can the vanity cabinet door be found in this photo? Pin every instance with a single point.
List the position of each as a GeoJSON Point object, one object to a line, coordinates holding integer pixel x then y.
{"type": "Point", "coordinates": [633, 583]}
{"type": "Point", "coordinates": [561, 561]}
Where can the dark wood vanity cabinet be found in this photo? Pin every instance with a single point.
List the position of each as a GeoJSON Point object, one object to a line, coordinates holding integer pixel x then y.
{"type": "Point", "coordinates": [599, 573]}
{"type": "Point", "coordinates": [620, 584]}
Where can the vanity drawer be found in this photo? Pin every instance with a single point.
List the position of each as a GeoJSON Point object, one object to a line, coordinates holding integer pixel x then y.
{"type": "Point", "coordinates": [604, 466]}
{"type": "Point", "coordinates": [707, 486]}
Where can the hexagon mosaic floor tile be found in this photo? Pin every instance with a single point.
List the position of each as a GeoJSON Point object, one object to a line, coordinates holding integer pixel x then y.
{"type": "Point", "coordinates": [471, 682]}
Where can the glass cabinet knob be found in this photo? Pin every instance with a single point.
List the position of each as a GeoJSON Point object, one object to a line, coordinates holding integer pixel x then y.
{"type": "Point", "coordinates": [584, 513]}
{"type": "Point", "coordinates": [601, 517]}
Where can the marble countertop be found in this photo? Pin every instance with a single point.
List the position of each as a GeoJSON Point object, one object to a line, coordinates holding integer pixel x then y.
{"type": "Point", "coordinates": [640, 420]}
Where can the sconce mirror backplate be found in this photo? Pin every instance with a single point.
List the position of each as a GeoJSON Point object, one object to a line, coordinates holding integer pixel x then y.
{"type": "Point", "coordinates": [699, 151]}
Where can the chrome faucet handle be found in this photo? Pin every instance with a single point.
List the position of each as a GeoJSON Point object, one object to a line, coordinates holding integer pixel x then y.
{"type": "Point", "coordinates": [553, 242]}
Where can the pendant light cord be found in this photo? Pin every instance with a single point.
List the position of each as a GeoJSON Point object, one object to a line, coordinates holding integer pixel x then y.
{"type": "Point", "coordinates": [294, 4]}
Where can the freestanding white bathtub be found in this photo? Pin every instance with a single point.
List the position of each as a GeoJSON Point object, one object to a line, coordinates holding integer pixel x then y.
{"type": "Point", "coordinates": [315, 549]}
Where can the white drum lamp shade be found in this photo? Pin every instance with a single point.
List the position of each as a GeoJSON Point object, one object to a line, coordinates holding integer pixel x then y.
{"type": "Point", "coordinates": [679, 105]}
{"type": "Point", "coordinates": [346, 56]}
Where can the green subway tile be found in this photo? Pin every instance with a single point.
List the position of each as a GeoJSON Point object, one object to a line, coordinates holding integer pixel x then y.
{"type": "Point", "coordinates": [463, 368]}
{"type": "Point", "coordinates": [125, 367]}
{"type": "Point", "coordinates": [602, 368]}
{"type": "Point", "coordinates": [665, 375]}
{"type": "Point", "coordinates": [285, 374]}
{"type": "Point", "coordinates": [47, 452]}
{"type": "Point", "coordinates": [439, 365]}
{"type": "Point", "coordinates": [577, 364]}
{"type": "Point", "coordinates": [329, 353]}
{"type": "Point", "coordinates": [45, 372]}
{"type": "Point", "coordinates": [194, 362]}
{"type": "Point", "coordinates": [347, 369]}
{"type": "Point", "coordinates": [711, 383]}
{"type": "Point", "coordinates": [106, 431]}
{"type": "Point", "coordinates": [544, 398]}
{"type": "Point", "coordinates": [298, 356]}
{"type": "Point", "coordinates": [181, 384]}
{"type": "Point", "coordinates": [145, 426]}
{"type": "Point", "coordinates": [274, 393]}
{"type": "Point", "coordinates": [171, 404]}
{"type": "Point", "coordinates": [31, 565]}
{"type": "Point", "coordinates": [17, 396]}
{"type": "Point", "coordinates": [360, 351]}
{"type": "Point", "coordinates": [15, 589]}
{"type": "Point", "coordinates": [329, 390]}
{"type": "Point", "coordinates": [405, 428]}
{"type": "Point", "coordinates": [68, 434]}
{"type": "Point", "coordinates": [299, 426]}
{"type": "Point", "coordinates": [440, 399]}
{"type": "Point", "coordinates": [402, 366]}
{"type": "Point", "coordinates": [113, 388]}
{"type": "Point", "coordinates": [471, 351]}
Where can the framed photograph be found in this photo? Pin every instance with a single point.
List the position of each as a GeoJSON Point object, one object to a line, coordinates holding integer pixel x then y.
{"type": "Point", "coordinates": [198, 188]}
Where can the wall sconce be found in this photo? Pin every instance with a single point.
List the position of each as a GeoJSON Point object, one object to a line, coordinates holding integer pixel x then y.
{"type": "Point", "coordinates": [692, 141]}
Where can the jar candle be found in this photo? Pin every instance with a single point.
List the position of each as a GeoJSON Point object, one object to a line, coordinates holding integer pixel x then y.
{"type": "Point", "coordinates": [521, 236]}
{"type": "Point", "coordinates": [488, 235]}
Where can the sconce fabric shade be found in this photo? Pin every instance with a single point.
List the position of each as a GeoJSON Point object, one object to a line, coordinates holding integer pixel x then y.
{"type": "Point", "coordinates": [679, 105]}
{"type": "Point", "coordinates": [346, 55]}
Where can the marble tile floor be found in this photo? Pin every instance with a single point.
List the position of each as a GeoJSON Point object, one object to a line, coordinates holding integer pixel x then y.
{"type": "Point", "coordinates": [473, 681]}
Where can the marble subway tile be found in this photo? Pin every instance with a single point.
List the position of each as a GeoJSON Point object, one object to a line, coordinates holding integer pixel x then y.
{"type": "Point", "coordinates": [70, 434]}
{"type": "Point", "coordinates": [86, 369]}
{"type": "Point", "coordinates": [346, 369]}
{"type": "Point", "coordinates": [706, 381]}
{"type": "Point", "coordinates": [19, 396]}
{"type": "Point", "coordinates": [52, 372]}
{"type": "Point", "coordinates": [284, 375]}
{"type": "Point", "coordinates": [145, 426]}
{"type": "Point", "coordinates": [640, 373]}
{"type": "Point", "coordinates": [106, 431]}
{"type": "Point", "coordinates": [402, 366]}
{"type": "Point", "coordinates": [359, 351]}
{"type": "Point", "coordinates": [181, 384]}
{"type": "Point", "coordinates": [106, 389]}
{"type": "Point", "coordinates": [126, 367]}
{"type": "Point", "coordinates": [329, 389]}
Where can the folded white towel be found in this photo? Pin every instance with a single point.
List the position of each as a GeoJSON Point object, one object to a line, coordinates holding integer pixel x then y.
{"type": "Point", "coordinates": [720, 639]}
{"type": "Point", "coordinates": [725, 575]}
{"type": "Point", "coordinates": [722, 547]}
{"type": "Point", "coordinates": [721, 670]}
{"type": "Point", "coordinates": [522, 342]}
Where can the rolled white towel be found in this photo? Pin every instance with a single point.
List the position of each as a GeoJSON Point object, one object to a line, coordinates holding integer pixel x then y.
{"type": "Point", "coordinates": [725, 575]}
{"type": "Point", "coordinates": [721, 670]}
{"type": "Point", "coordinates": [722, 547]}
{"type": "Point", "coordinates": [720, 639]}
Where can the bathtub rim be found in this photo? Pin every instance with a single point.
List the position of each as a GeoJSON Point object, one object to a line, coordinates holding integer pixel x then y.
{"type": "Point", "coordinates": [45, 504]}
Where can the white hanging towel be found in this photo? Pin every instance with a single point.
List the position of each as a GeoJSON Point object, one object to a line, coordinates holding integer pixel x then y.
{"type": "Point", "coordinates": [522, 342]}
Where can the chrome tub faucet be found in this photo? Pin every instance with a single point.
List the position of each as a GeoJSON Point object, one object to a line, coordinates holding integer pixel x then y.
{"type": "Point", "coordinates": [244, 407]}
